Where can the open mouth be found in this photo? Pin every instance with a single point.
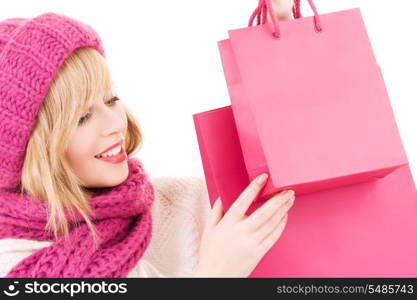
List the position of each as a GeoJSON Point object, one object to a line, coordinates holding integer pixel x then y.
{"type": "Point", "coordinates": [112, 151]}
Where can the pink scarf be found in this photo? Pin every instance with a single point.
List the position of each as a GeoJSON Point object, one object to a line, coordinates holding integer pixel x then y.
{"type": "Point", "coordinates": [122, 221]}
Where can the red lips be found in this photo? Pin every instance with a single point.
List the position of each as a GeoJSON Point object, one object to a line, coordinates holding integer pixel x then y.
{"type": "Point", "coordinates": [115, 159]}
{"type": "Point", "coordinates": [112, 146]}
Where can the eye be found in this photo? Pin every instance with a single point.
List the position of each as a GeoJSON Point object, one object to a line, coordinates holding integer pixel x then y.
{"type": "Point", "coordinates": [113, 100]}
{"type": "Point", "coordinates": [84, 118]}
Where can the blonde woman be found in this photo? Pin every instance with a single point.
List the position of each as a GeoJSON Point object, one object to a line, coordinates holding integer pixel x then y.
{"type": "Point", "coordinates": [74, 202]}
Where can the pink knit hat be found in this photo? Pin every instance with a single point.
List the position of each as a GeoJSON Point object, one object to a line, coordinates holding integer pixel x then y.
{"type": "Point", "coordinates": [31, 53]}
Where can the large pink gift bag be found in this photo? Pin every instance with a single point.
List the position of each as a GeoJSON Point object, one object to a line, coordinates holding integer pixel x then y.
{"type": "Point", "coordinates": [310, 103]}
{"type": "Point", "coordinates": [362, 230]}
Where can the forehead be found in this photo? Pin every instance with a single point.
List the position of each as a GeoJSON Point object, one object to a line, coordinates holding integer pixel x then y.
{"type": "Point", "coordinates": [103, 96]}
{"type": "Point", "coordinates": [107, 94]}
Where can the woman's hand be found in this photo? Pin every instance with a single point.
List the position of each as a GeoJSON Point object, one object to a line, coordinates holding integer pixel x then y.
{"type": "Point", "coordinates": [232, 244]}
{"type": "Point", "coordinates": [283, 9]}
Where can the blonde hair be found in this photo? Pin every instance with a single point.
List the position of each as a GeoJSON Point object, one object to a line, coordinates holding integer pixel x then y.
{"type": "Point", "coordinates": [46, 174]}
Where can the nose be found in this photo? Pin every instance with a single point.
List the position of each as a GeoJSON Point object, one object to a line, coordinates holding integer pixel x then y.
{"type": "Point", "coordinates": [114, 122]}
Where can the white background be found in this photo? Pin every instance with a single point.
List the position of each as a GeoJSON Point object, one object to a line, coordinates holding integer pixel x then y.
{"type": "Point", "coordinates": [164, 59]}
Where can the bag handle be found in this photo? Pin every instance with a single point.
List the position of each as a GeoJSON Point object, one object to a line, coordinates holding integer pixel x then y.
{"type": "Point", "coordinates": [265, 6]}
{"type": "Point", "coordinates": [296, 11]}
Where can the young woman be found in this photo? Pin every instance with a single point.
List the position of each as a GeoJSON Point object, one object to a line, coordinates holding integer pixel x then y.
{"type": "Point", "coordinates": [74, 202]}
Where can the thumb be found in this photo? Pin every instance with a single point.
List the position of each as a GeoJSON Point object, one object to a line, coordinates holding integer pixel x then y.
{"type": "Point", "coordinates": [216, 214]}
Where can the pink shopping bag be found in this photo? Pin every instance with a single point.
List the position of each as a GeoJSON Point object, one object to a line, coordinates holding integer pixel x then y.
{"type": "Point", "coordinates": [311, 107]}
{"type": "Point", "coordinates": [361, 230]}
{"type": "Point", "coordinates": [221, 155]}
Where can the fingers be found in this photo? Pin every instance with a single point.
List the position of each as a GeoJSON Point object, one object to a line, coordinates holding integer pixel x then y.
{"type": "Point", "coordinates": [269, 208]}
{"type": "Point", "coordinates": [238, 209]}
{"type": "Point", "coordinates": [273, 237]}
{"type": "Point", "coordinates": [215, 215]}
{"type": "Point", "coordinates": [282, 9]}
{"type": "Point", "coordinates": [269, 225]}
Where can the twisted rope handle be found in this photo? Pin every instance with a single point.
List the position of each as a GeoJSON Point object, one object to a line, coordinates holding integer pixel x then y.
{"type": "Point", "coordinates": [296, 11]}
{"type": "Point", "coordinates": [265, 6]}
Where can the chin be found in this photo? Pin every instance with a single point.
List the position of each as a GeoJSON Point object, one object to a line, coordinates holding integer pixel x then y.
{"type": "Point", "coordinates": [110, 181]}
{"type": "Point", "coordinates": [119, 179]}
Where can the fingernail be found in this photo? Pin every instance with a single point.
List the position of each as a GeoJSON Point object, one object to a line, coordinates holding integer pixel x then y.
{"type": "Point", "coordinates": [283, 193]}
{"type": "Point", "coordinates": [287, 195]}
{"type": "Point", "coordinates": [291, 193]}
{"type": "Point", "coordinates": [261, 178]}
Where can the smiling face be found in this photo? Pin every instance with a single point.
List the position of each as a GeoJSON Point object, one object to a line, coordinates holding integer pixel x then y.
{"type": "Point", "coordinates": [78, 119]}
{"type": "Point", "coordinates": [101, 126]}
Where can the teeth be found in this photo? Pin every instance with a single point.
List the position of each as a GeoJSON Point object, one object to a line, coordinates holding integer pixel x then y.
{"type": "Point", "coordinates": [112, 152]}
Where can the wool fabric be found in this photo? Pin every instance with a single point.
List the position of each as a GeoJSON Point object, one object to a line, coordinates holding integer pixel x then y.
{"type": "Point", "coordinates": [122, 219]}
{"type": "Point", "coordinates": [31, 52]}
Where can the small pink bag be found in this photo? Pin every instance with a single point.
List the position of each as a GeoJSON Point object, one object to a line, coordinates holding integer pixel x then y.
{"type": "Point", "coordinates": [221, 154]}
{"type": "Point", "coordinates": [223, 165]}
{"type": "Point", "coordinates": [311, 107]}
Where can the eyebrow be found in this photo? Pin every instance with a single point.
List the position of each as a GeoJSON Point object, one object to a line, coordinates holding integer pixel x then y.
{"type": "Point", "coordinates": [90, 106]}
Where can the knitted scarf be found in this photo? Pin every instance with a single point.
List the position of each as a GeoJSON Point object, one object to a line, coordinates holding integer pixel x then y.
{"type": "Point", "coordinates": [121, 218]}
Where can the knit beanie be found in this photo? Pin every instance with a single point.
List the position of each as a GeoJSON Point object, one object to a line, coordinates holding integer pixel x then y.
{"type": "Point", "coordinates": [31, 52]}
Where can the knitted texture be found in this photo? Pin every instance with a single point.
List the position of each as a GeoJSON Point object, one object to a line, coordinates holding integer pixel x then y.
{"type": "Point", "coordinates": [122, 218]}
{"type": "Point", "coordinates": [179, 214]}
{"type": "Point", "coordinates": [31, 53]}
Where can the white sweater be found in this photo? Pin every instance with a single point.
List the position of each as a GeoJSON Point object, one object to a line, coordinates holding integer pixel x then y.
{"type": "Point", "coordinates": [179, 213]}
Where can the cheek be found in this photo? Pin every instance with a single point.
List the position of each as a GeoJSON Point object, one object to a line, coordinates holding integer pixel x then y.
{"type": "Point", "coordinates": [124, 116]}
{"type": "Point", "coordinates": [81, 148]}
